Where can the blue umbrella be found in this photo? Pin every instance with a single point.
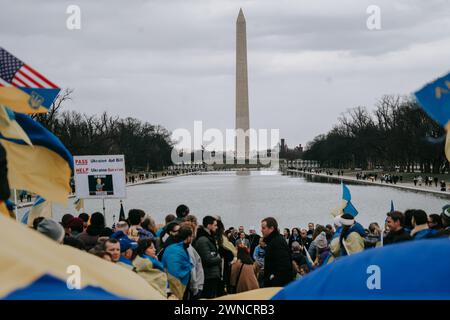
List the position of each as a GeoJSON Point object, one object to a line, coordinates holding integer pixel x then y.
{"type": "Point", "coordinates": [408, 271]}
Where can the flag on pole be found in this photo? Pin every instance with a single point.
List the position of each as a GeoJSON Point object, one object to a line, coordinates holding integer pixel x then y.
{"type": "Point", "coordinates": [392, 206]}
{"type": "Point", "coordinates": [22, 88]}
{"type": "Point", "coordinates": [40, 208]}
{"type": "Point", "coordinates": [346, 205]}
{"type": "Point", "coordinates": [44, 168]}
{"type": "Point", "coordinates": [122, 212]}
{"type": "Point", "coordinates": [79, 204]}
{"type": "Point", "coordinates": [434, 98]}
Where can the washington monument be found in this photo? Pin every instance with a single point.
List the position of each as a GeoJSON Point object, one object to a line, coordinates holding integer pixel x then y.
{"type": "Point", "coordinates": [242, 144]}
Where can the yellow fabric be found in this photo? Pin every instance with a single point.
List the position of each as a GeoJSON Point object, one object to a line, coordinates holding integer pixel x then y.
{"type": "Point", "coordinates": [154, 277]}
{"type": "Point", "coordinates": [10, 128]}
{"type": "Point", "coordinates": [79, 204]}
{"type": "Point", "coordinates": [229, 246]}
{"type": "Point", "coordinates": [354, 243]}
{"type": "Point", "coordinates": [42, 210]}
{"type": "Point", "coordinates": [26, 255]}
{"type": "Point", "coordinates": [18, 101]}
{"type": "Point", "coordinates": [176, 287]}
{"type": "Point", "coordinates": [39, 170]}
{"type": "Point", "coordinates": [339, 210]}
{"type": "Point", "coordinates": [4, 209]}
{"type": "Point", "coordinates": [257, 294]}
{"type": "Point", "coordinates": [447, 146]}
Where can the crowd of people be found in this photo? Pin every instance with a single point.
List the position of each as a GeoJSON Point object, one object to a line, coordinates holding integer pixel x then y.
{"type": "Point", "coordinates": [185, 259]}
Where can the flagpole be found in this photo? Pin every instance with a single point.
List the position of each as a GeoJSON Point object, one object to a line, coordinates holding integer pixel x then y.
{"type": "Point", "coordinates": [104, 214]}
{"type": "Point", "coordinates": [15, 202]}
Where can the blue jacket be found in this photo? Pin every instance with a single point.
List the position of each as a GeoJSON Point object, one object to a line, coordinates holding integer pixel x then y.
{"type": "Point", "coordinates": [424, 234]}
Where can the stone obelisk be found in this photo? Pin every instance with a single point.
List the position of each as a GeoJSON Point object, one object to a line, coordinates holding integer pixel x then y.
{"type": "Point", "coordinates": [242, 143]}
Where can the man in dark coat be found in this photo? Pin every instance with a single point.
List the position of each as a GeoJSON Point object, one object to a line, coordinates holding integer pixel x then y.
{"type": "Point", "coordinates": [277, 261]}
{"type": "Point", "coordinates": [206, 246]}
{"type": "Point", "coordinates": [395, 221]}
{"type": "Point", "coordinates": [253, 238]}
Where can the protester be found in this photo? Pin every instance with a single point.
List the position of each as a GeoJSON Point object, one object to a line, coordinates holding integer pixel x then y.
{"type": "Point", "coordinates": [242, 241]}
{"type": "Point", "coordinates": [104, 255]}
{"type": "Point", "coordinates": [122, 226]}
{"type": "Point", "coordinates": [136, 232]}
{"type": "Point", "coordinates": [258, 256]}
{"type": "Point", "coordinates": [435, 222]}
{"type": "Point", "coordinates": [243, 276]}
{"type": "Point", "coordinates": [92, 232]}
{"type": "Point", "coordinates": [351, 238]}
{"type": "Point", "coordinates": [305, 241]}
{"type": "Point", "coordinates": [420, 224]}
{"type": "Point", "coordinates": [228, 253]}
{"type": "Point", "coordinates": [51, 229]}
{"type": "Point", "coordinates": [112, 246]}
{"type": "Point", "coordinates": [168, 219]}
{"type": "Point", "coordinates": [170, 233]}
{"type": "Point", "coordinates": [206, 246]}
{"type": "Point", "coordinates": [397, 233]}
{"type": "Point", "coordinates": [85, 218]}
{"type": "Point", "coordinates": [127, 246]}
{"type": "Point", "coordinates": [65, 222]}
{"type": "Point", "coordinates": [286, 235]}
{"type": "Point", "coordinates": [197, 274]}
{"type": "Point", "coordinates": [178, 264]}
{"type": "Point", "coordinates": [181, 212]}
{"type": "Point", "coordinates": [277, 260]}
{"type": "Point", "coordinates": [146, 249]}
{"type": "Point", "coordinates": [295, 236]}
{"type": "Point", "coordinates": [75, 226]}
{"type": "Point", "coordinates": [253, 238]}
{"type": "Point", "coordinates": [373, 236]}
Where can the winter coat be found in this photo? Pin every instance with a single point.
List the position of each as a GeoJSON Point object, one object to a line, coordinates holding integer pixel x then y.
{"type": "Point", "coordinates": [206, 247]}
{"type": "Point", "coordinates": [197, 274]}
{"type": "Point", "coordinates": [254, 242]}
{"type": "Point", "coordinates": [243, 242]}
{"type": "Point", "coordinates": [277, 261]}
{"type": "Point", "coordinates": [396, 236]}
{"type": "Point", "coordinates": [177, 263]}
{"type": "Point", "coordinates": [247, 278]}
{"type": "Point", "coordinates": [422, 232]}
{"type": "Point", "coordinates": [353, 242]}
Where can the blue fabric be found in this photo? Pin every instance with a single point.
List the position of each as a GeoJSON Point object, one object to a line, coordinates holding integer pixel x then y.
{"type": "Point", "coordinates": [48, 287]}
{"type": "Point", "coordinates": [177, 262]}
{"type": "Point", "coordinates": [401, 278]}
{"type": "Point", "coordinates": [434, 98]}
{"type": "Point", "coordinates": [40, 136]}
{"type": "Point", "coordinates": [356, 227]}
{"type": "Point", "coordinates": [48, 95]}
{"type": "Point", "coordinates": [156, 263]}
{"type": "Point", "coordinates": [160, 230]}
{"type": "Point", "coordinates": [125, 261]}
{"type": "Point", "coordinates": [424, 234]}
{"type": "Point", "coordinates": [349, 208]}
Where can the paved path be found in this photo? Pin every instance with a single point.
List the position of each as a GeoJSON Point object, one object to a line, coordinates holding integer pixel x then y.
{"type": "Point", "coordinates": [403, 186]}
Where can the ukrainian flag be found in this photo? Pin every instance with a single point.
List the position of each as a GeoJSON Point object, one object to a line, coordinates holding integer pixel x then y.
{"type": "Point", "coordinates": [28, 100]}
{"type": "Point", "coordinates": [44, 168]}
{"type": "Point", "coordinates": [33, 266]}
{"type": "Point", "coordinates": [40, 208]}
{"type": "Point", "coordinates": [178, 266]}
{"type": "Point", "coordinates": [346, 205]}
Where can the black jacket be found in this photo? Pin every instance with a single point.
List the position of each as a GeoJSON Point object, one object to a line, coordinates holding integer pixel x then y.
{"type": "Point", "coordinates": [206, 246]}
{"type": "Point", "coordinates": [277, 261]}
{"type": "Point", "coordinates": [254, 242]}
{"type": "Point", "coordinates": [396, 236]}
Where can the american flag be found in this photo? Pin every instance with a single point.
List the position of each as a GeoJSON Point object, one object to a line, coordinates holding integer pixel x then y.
{"type": "Point", "coordinates": [14, 72]}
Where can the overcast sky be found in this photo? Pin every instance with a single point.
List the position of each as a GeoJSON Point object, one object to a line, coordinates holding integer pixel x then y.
{"type": "Point", "coordinates": [171, 62]}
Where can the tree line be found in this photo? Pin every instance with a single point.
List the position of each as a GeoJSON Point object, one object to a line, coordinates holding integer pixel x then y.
{"type": "Point", "coordinates": [145, 146]}
{"type": "Point", "coordinates": [396, 135]}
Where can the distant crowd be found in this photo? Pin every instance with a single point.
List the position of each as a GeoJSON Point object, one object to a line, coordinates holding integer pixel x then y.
{"type": "Point", "coordinates": [185, 259]}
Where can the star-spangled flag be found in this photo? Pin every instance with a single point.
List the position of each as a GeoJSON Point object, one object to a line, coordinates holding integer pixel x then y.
{"type": "Point", "coordinates": [22, 88]}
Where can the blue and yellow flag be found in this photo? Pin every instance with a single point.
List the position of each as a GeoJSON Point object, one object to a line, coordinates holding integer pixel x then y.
{"type": "Point", "coordinates": [22, 88]}
{"type": "Point", "coordinates": [346, 205]}
{"type": "Point", "coordinates": [43, 168]}
{"type": "Point", "coordinates": [36, 267]}
{"type": "Point", "coordinates": [434, 98]}
{"type": "Point", "coordinates": [178, 266]}
{"type": "Point", "coordinates": [40, 208]}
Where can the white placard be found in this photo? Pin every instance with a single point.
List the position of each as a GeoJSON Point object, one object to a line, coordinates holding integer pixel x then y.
{"type": "Point", "coordinates": [100, 176]}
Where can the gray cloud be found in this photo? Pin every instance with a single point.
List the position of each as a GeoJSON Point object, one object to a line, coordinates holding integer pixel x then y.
{"type": "Point", "coordinates": [172, 62]}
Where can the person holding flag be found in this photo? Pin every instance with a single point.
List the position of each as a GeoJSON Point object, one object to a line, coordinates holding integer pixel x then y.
{"type": "Point", "coordinates": [351, 235]}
